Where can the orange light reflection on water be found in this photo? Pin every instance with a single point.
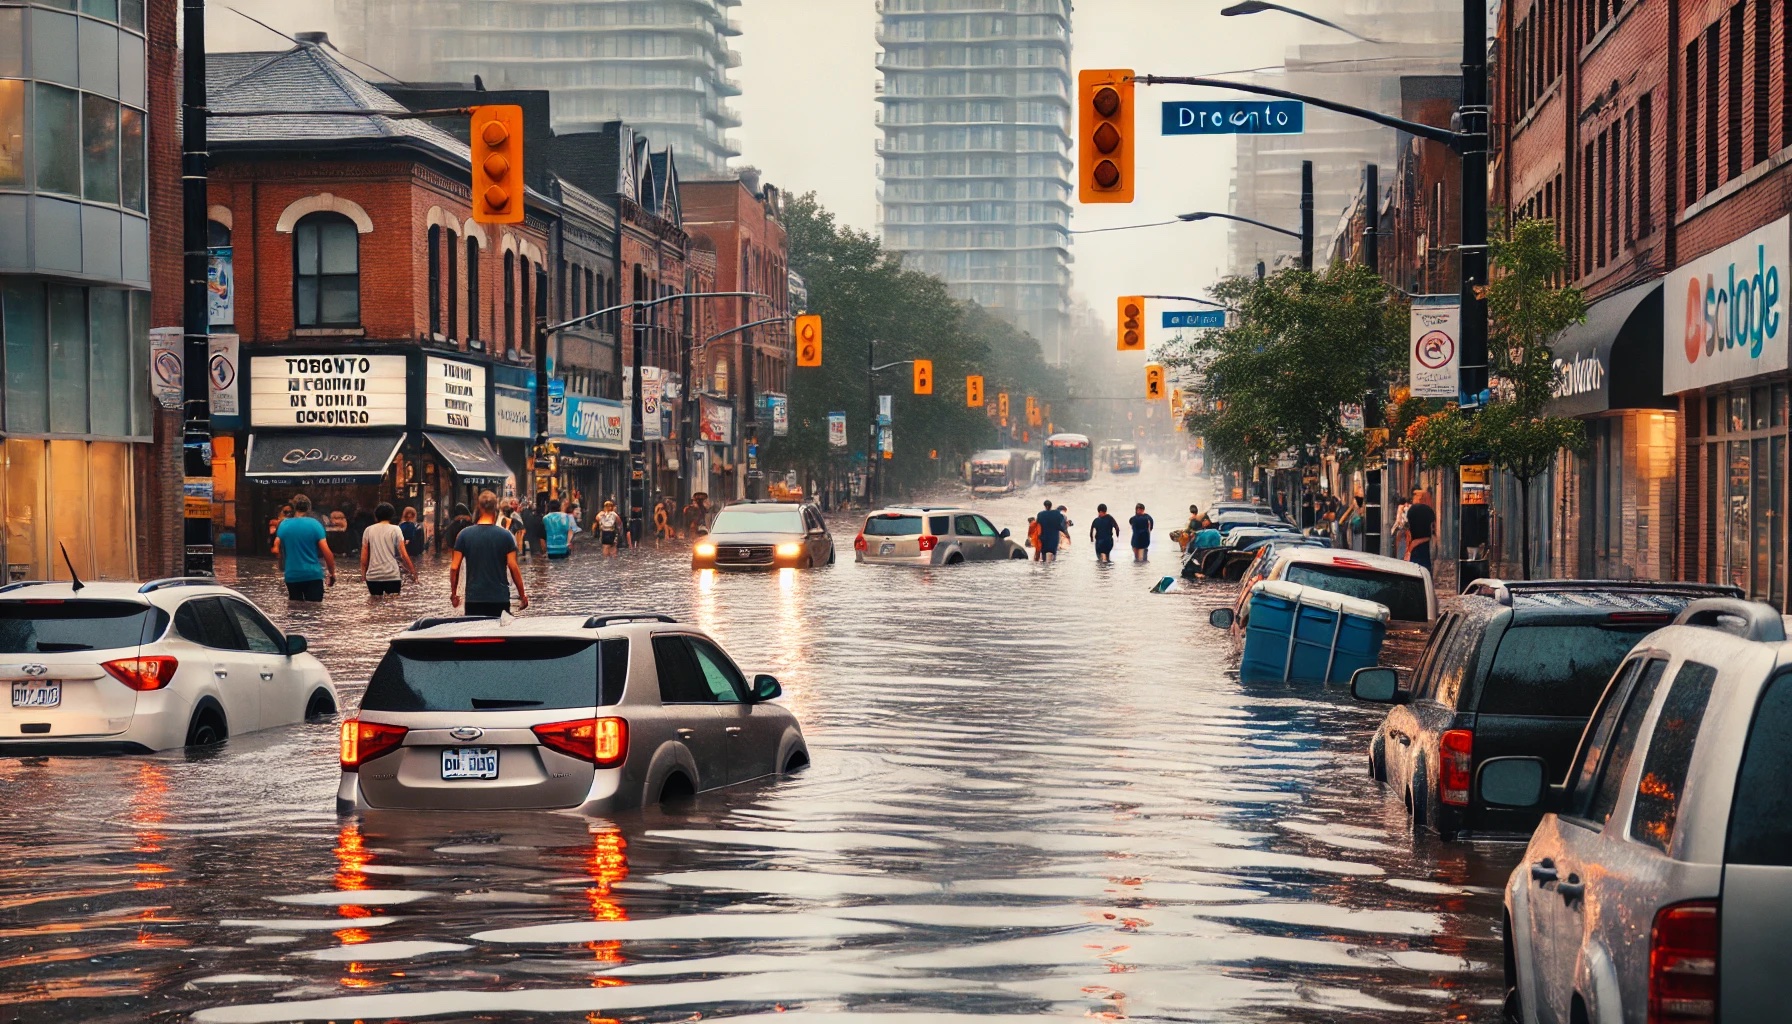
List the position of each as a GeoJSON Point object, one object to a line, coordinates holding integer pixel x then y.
{"type": "Point", "coordinates": [606, 863]}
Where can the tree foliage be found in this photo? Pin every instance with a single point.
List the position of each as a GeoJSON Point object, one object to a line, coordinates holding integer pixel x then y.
{"type": "Point", "coordinates": [863, 293]}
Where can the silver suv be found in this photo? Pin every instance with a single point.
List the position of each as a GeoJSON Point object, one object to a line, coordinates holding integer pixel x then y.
{"type": "Point", "coordinates": [930, 535]}
{"type": "Point", "coordinates": [1659, 885]}
{"type": "Point", "coordinates": [597, 714]}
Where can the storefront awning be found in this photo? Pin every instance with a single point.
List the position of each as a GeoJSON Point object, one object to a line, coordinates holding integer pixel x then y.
{"type": "Point", "coordinates": [319, 456]}
{"type": "Point", "coordinates": [1613, 360]}
{"type": "Point", "coordinates": [471, 458]}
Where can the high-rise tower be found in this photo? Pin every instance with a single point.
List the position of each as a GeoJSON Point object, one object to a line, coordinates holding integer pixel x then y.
{"type": "Point", "coordinates": [976, 165]}
{"type": "Point", "coordinates": [660, 65]}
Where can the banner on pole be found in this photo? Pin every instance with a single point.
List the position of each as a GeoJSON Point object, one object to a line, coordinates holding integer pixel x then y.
{"type": "Point", "coordinates": [836, 430]}
{"type": "Point", "coordinates": [1434, 354]}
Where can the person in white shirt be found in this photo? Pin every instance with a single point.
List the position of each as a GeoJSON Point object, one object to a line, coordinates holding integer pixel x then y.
{"type": "Point", "coordinates": [383, 553]}
{"type": "Point", "coordinates": [609, 528]}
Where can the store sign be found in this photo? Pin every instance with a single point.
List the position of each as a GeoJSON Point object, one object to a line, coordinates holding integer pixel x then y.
{"type": "Point", "coordinates": [718, 422]}
{"type": "Point", "coordinates": [596, 422]}
{"type": "Point", "coordinates": [165, 360]}
{"type": "Point", "coordinates": [453, 394]}
{"type": "Point", "coordinates": [1433, 354]}
{"type": "Point", "coordinates": [1578, 374]}
{"type": "Point", "coordinates": [222, 368]}
{"type": "Point", "coordinates": [1727, 309]}
{"type": "Point", "coordinates": [331, 391]}
{"type": "Point", "coordinates": [836, 430]}
{"type": "Point", "coordinates": [513, 411]}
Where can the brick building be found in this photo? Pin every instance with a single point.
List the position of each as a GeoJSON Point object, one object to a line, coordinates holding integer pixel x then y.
{"type": "Point", "coordinates": [1655, 134]}
{"type": "Point", "coordinates": [749, 370]}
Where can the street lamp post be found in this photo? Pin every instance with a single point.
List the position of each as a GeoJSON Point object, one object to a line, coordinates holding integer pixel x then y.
{"type": "Point", "coordinates": [1305, 234]}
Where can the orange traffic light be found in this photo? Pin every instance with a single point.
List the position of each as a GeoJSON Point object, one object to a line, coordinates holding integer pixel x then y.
{"type": "Point", "coordinates": [1176, 401]}
{"type": "Point", "coordinates": [1131, 321]}
{"type": "Point", "coordinates": [1104, 136]}
{"type": "Point", "coordinates": [1002, 406]}
{"type": "Point", "coordinates": [1032, 411]}
{"type": "Point", "coordinates": [923, 376]}
{"type": "Point", "coordinates": [808, 340]}
{"type": "Point", "coordinates": [498, 164]}
{"type": "Point", "coordinates": [973, 391]}
{"type": "Point", "coordinates": [1154, 382]}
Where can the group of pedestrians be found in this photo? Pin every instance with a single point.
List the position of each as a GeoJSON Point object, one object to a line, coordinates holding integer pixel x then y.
{"type": "Point", "coordinates": [1049, 531]}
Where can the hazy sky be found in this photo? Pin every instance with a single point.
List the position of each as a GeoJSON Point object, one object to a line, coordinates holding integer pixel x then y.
{"type": "Point", "coordinates": [807, 103]}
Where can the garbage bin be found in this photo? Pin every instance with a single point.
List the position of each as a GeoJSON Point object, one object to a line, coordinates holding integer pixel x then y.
{"type": "Point", "coordinates": [1308, 635]}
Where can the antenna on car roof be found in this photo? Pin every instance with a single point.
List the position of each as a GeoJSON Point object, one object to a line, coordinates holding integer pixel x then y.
{"type": "Point", "coordinates": [74, 579]}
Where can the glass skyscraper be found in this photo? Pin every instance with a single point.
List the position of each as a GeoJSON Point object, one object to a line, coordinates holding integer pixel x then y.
{"type": "Point", "coordinates": [975, 156]}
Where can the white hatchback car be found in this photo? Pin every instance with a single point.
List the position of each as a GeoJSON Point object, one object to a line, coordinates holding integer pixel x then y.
{"type": "Point", "coordinates": [128, 668]}
{"type": "Point", "coordinates": [1659, 886]}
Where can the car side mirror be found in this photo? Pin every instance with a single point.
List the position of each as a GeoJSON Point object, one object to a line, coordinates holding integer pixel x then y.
{"type": "Point", "coordinates": [1514, 782]}
{"type": "Point", "coordinates": [296, 644]}
{"type": "Point", "coordinates": [1376, 685]}
{"type": "Point", "coordinates": [766, 688]}
{"type": "Point", "coordinates": [1221, 618]}
{"type": "Point", "coordinates": [1004, 533]}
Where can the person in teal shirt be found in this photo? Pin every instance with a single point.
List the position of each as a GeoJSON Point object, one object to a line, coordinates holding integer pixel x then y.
{"type": "Point", "coordinates": [304, 553]}
{"type": "Point", "coordinates": [559, 528]}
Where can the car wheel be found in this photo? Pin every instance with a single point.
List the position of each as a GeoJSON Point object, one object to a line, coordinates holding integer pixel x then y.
{"type": "Point", "coordinates": [1018, 556]}
{"type": "Point", "coordinates": [1512, 1007]}
{"type": "Point", "coordinates": [1378, 761]}
{"type": "Point", "coordinates": [207, 729]}
{"type": "Point", "coordinates": [320, 706]}
{"type": "Point", "coordinates": [799, 759]}
{"type": "Point", "coordinates": [954, 558]}
{"type": "Point", "coordinates": [830, 554]}
{"type": "Point", "coordinates": [677, 788]}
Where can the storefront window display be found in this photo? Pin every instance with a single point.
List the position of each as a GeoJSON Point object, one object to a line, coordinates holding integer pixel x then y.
{"type": "Point", "coordinates": [73, 495]}
{"type": "Point", "coordinates": [1744, 468]}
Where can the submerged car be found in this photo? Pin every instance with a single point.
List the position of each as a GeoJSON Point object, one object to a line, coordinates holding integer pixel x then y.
{"type": "Point", "coordinates": [932, 536]}
{"type": "Point", "coordinates": [1124, 459]}
{"type": "Point", "coordinates": [765, 535]}
{"type": "Point", "coordinates": [590, 713]}
{"type": "Point", "coordinates": [109, 667]}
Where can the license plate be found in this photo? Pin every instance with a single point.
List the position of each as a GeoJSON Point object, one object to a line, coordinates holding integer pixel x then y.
{"type": "Point", "coordinates": [470, 763]}
{"type": "Point", "coordinates": [35, 694]}
{"type": "Point", "coordinates": [886, 549]}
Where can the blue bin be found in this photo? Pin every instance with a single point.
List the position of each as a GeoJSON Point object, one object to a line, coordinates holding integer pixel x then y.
{"type": "Point", "coordinates": [1307, 635]}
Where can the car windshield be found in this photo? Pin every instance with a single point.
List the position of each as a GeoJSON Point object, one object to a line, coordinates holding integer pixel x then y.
{"type": "Point", "coordinates": [57, 625]}
{"type": "Point", "coordinates": [740, 520]}
{"type": "Point", "coordinates": [1404, 595]}
{"type": "Point", "coordinates": [491, 674]}
{"type": "Point", "coordinates": [1556, 671]}
{"type": "Point", "coordinates": [893, 524]}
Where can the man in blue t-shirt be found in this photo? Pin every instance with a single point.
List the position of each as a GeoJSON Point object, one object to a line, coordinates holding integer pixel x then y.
{"type": "Point", "coordinates": [557, 529]}
{"type": "Point", "coordinates": [1051, 531]}
{"type": "Point", "coordinates": [304, 553]}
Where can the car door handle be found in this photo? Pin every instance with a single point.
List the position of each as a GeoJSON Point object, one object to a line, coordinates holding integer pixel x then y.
{"type": "Point", "coordinates": [221, 673]}
{"type": "Point", "coordinates": [685, 734]}
{"type": "Point", "coordinates": [1571, 888]}
{"type": "Point", "coordinates": [1543, 871]}
{"type": "Point", "coordinates": [733, 730]}
{"type": "Point", "coordinates": [1404, 740]}
{"type": "Point", "coordinates": [267, 677]}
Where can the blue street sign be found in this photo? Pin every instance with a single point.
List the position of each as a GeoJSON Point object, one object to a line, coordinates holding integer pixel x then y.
{"type": "Point", "coordinates": [1196, 318]}
{"type": "Point", "coordinates": [1233, 117]}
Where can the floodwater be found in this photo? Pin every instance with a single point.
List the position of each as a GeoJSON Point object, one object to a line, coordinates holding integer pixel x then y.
{"type": "Point", "coordinates": [1037, 792]}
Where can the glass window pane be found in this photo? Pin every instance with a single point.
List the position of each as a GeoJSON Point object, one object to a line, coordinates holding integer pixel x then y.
{"type": "Point", "coordinates": [27, 537]}
{"type": "Point", "coordinates": [69, 505]}
{"type": "Point", "coordinates": [304, 241]}
{"type": "Point", "coordinates": [1670, 756]}
{"type": "Point", "coordinates": [1623, 746]}
{"type": "Point", "coordinates": [305, 294]}
{"type": "Point", "coordinates": [1736, 555]}
{"type": "Point", "coordinates": [12, 45]}
{"type": "Point", "coordinates": [142, 405]}
{"type": "Point", "coordinates": [130, 14]}
{"type": "Point", "coordinates": [1761, 821]}
{"type": "Point", "coordinates": [339, 242]}
{"type": "Point", "coordinates": [109, 329]}
{"type": "Point", "coordinates": [1761, 522]}
{"type": "Point", "coordinates": [27, 361]}
{"type": "Point", "coordinates": [110, 470]}
{"type": "Point", "coordinates": [12, 119]}
{"type": "Point", "coordinates": [107, 9]}
{"type": "Point", "coordinates": [68, 360]}
{"type": "Point", "coordinates": [58, 148]}
{"type": "Point", "coordinates": [130, 158]}
{"type": "Point", "coordinates": [341, 300]}
{"type": "Point", "coordinates": [99, 149]}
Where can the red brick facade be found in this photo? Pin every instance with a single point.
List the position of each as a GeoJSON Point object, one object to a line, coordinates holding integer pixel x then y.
{"type": "Point", "coordinates": [752, 255]}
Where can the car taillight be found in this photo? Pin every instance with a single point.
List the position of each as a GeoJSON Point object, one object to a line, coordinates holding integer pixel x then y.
{"type": "Point", "coordinates": [1683, 964]}
{"type": "Point", "coordinates": [858, 543]}
{"type": "Point", "coordinates": [929, 542]}
{"type": "Point", "coordinates": [364, 741]}
{"type": "Point", "coordinates": [602, 741]}
{"type": "Point", "coordinates": [151, 672]}
{"type": "Point", "coordinates": [1455, 766]}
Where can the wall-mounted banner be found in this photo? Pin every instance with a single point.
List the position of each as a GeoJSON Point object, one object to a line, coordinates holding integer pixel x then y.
{"type": "Point", "coordinates": [453, 394]}
{"type": "Point", "coordinates": [836, 430]}
{"type": "Point", "coordinates": [1234, 117]}
{"type": "Point", "coordinates": [1195, 318]}
{"type": "Point", "coordinates": [593, 422]}
{"type": "Point", "coordinates": [1724, 314]}
{"type": "Point", "coordinates": [222, 368]}
{"type": "Point", "coordinates": [512, 408]}
{"type": "Point", "coordinates": [165, 360]}
{"type": "Point", "coordinates": [1433, 353]}
{"type": "Point", "coordinates": [652, 398]}
{"type": "Point", "coordinates": [329, 391]}
{"type": "Point", "coordinates": [779, 408]}
{"type": "Point", "coordinates": [220, 286]}
{"type": "Point", "coordinates": [718, 421]}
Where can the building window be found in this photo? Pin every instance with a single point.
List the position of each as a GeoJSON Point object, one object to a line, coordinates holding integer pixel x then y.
{"type": "Point", "coordinates": [1690, 144]}
{"type": "Point", "coordinates": [1733, 129]}
{"type": "Point", "coordinates": [58, 147]}
{"type": "Point", "coordinates": [453, 286]}
{"type": "Point", "coordinates": [524, 325]}
{"type": "Point", "coordinates": [435, 280]}
{"type": "Point", "coordinates": [1645, 163]}
{"type": "Point", "coordinates": [327, 271]}
{"type": "Point", "coordinates": [12, 129]}
{"type": "Point", "coordinates": [1712, 164]}
{"type": "Point", "coordinates": [99, 149]}
{"type": "Point", "coordinates": [473, 325]}
{"type": "Point", "coordinates": [509, 300]}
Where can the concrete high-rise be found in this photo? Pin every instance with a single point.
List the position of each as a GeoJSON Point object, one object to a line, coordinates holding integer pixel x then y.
{"type": "Point", "coordinates": [975, 159]}
{"type": "Point", "coordinates": [660, 65]}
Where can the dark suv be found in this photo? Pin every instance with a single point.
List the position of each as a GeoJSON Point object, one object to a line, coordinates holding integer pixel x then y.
{"type": "Point", "coordinates": [765, 535]}
{"type": "Point", "coordinates": [1513, 670]}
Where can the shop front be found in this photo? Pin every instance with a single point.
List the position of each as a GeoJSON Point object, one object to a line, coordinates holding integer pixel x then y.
{"type": "Point", "coordinates": [513, 425]}
{"type": "Point", "coordinates": [1612, 507]}
{"type": "Point", "coordinates": [715, 431]}
{"type": "Point", "coordinates": [1727, 361]}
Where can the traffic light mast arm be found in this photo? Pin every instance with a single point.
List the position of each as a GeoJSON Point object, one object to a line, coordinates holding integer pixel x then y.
{"type": "Point", "coordinates": [886, 366]}
{"type": "Point", "coordinates": [394, 115]}
{"type": "Point", "coordinates": [547, 328]}
{"type": "Point", "coordinates": [745, 327]}
{"type": "Point", "coordinates": [1192, 298]}
{"type": "Point", "coordinates": [1203, 215]}
{"type": "Point", "coordinates": [1455, 140]}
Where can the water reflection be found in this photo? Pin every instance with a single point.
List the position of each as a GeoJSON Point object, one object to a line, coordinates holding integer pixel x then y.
{"type": "Point", "coordinates": [1037, 790]}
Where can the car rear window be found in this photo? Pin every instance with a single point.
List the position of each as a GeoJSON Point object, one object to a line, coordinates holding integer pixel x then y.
{"type": "Point", "coordinates": [1761, 813]}
{"type": "Point", "coordinates": [1404, 596]}
{"type": "Point", "coordinates": [893, 525]}
{"type": "Point", "coordinates": [57, 626]}
{"type": "Point", "coordinates": [733, 520]}
{"type": "Point", "coordinates": [481, 674]}
{"type": "Point", "coordinates": [1555, 671]}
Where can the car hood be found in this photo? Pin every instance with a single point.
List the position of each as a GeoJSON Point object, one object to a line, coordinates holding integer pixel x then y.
{"type": "Point", "coordinates": [723, 540]}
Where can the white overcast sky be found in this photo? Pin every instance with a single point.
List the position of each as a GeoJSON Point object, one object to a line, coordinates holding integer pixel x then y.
{"type": "Point", "coordinates": [807, 80]}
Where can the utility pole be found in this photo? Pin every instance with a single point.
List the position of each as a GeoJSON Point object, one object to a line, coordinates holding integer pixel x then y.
{"type": "Point", "coordinates": [1372, 221]}
{"type": "Point", "coordinates": [1472, 531]}
{"type": "Point", "coordinates": [1306, 215]}
{"type": "Point", "coordinates": [750, 431]}
{"type": "Point", "coordinates": [196, 421]}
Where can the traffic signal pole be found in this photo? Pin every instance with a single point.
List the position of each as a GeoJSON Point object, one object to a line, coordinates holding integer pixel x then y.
{"type": "Point", "coordinates": [196, 422]}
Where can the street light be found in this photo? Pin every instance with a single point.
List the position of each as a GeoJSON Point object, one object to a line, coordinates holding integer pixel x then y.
{"type": "Point", "coordinates": [1259, 6]}
{"type": "Point", "coordinates": [1305, 234]}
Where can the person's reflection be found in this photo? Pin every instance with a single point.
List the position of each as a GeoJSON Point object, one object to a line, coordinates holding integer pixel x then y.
{"type": "Point", "coordinates": [606, 863]}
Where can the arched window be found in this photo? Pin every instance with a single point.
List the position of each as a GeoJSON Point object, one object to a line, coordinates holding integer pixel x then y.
{"type": "Point", "coordinates": [521, 339]}
{"type": "Point", "coordinates": [474, 330]}
{"type": "Point", "coordinates": [326, 271]}
{"type": "Point", "coordinates": [453, 285]}
{"type": "Point", "coordinates": [509, 301]}
{"type": "Point", "coordinates": [435, 280]}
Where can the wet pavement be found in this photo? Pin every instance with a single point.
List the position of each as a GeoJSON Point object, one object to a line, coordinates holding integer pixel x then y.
{"type": "Point", "coordinates": [1037, 792]}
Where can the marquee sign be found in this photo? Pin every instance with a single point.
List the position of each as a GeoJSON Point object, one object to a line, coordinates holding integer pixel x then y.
{"type": "Point", "coordinates": [329, 391]}
{"type": "Point", "coordinates": [453, 394]}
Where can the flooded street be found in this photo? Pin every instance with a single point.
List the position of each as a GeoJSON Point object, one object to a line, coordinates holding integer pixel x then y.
{"type": "Point", "coordinates": [1037, 791]}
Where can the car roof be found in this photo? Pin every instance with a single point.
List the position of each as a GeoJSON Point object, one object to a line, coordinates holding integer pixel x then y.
{"type": "Point", "coordinates": [586, 626]}
{"type": "Point", "coordinates": [903, 510]}
{"type": "Point", "coordinates": [151, 592]}
{"type": "Point", "coordinates": [1570, 595]}
{"type": "Point", "coordinates": [1350, 559]}
{"type": "Point", "coordinates": [763, 506]}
